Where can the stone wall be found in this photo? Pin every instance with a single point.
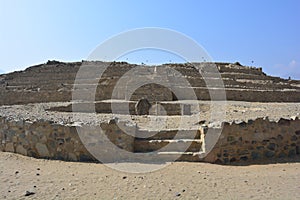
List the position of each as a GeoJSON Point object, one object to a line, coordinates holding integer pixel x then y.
{"type": "Point", "coordinates": [45, 139]}
{"type": "Point", "coordinates": [257, 140]}
{"type": "Point", "coordinates": [252, 141]}
{"type": "Point", "coordinates": [157, 108]}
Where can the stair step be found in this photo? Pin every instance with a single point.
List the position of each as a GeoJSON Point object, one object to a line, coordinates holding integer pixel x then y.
{"type": "Point", "coordinates": [184, 156]}
{"type": "Point", "coordinates": [168, 134]}
{"type": "Point", "coordinates": [180, 145]}
{"type": "Point", "coordinates": [164, 157]}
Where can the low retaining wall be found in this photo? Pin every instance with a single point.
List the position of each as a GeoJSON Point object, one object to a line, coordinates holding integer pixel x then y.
{"type": "Point", "coordinates": [157, 108]}
{"type": "Point", "coordinates": [256, 140]}
{"type": "Point", "coordinates": [44, 139]}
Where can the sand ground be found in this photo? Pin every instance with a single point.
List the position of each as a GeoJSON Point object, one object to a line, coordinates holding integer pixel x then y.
{"type": "Point", "coordinates": [50, 179]}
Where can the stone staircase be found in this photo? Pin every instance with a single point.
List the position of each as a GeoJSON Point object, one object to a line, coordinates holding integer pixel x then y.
{"type": "Point", "coordinates": [169, 145]}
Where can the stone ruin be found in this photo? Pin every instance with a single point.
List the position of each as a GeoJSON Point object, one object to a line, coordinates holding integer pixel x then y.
{"type": "Point", "coordinates": [36, 117]}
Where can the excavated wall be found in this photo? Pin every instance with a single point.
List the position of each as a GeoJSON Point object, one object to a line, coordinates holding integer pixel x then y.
{"type": "Point", "coordinates": [258, 140]}
{"type": "Point", "coordinates": [46, 139]}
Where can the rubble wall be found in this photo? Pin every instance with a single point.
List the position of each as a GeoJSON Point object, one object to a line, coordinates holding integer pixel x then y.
{"type": "Point", "coordinates": [44, 139]}
{"type": "Point", "coordinates": [251, 141]}
{"type": "Point", "coordinates": [258, 140]}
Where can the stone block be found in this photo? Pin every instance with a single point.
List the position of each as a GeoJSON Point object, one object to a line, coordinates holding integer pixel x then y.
{"type": "Point", "coordinates": [186, 109]}
{"type": "Point", "coordinates": [142, 107]}
{"type": "Point", "coordinates": [292, 153]}
{"type": "Point", "coordinates": [72, 157]}
{"type": "Point", "coordinates": [294, 138]}
{"type": "Point", "coordinates": [9, 147]}
{"type": "Point", "coordinates": [269, 154]}
{"type": "Point", "coordinates": [42, 150]}
{"type": "Point", "coordinates": [230, 138]}
{"type": "Point", "coordinates": [271, 146]}
{"type": "Point", "coordinates": [255, 155]}
{"type": "Point", "coordinates": [21, 150]}
{"type": "Point", "coordinates": [244, 158]}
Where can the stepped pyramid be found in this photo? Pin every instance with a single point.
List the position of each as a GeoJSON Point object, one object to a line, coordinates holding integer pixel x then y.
{"type": "Point", "coordinates": [56, 82]}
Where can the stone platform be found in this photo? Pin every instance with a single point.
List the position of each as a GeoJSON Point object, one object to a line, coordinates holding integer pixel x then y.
{"type": "Point", "coordinates": [259, 120]}
{"type": "Point", "coordinates": [39, 130]}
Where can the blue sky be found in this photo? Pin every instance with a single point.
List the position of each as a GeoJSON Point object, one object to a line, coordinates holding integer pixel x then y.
{"type": "Point", "coordinates": [266, 32]}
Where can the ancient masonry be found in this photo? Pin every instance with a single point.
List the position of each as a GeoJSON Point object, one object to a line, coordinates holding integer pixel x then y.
{"type": "Point", "coordinates": [252, 140]}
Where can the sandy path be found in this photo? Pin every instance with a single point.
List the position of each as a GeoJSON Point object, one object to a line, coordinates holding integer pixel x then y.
{"type": "Point", "coordinates": [66, 180]}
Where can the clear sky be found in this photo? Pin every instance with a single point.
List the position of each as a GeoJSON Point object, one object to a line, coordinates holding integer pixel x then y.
{"type": "Point", "coordinates": [264, 31]}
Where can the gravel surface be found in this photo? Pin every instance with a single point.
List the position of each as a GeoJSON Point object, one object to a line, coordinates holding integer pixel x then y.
{"type": "Point", "coordinates": [233, 111]}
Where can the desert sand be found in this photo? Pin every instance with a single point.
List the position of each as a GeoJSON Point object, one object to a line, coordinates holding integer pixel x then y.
{"type": "Point", "coordinates": [29, 178]}
{"type": "Point", "coordinates": [49, 179]}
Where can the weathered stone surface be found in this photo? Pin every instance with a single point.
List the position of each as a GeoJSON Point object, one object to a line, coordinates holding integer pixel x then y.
{"type": "Point", "coordinates": [72, 157]}
{"type": "Point", "coordinates": [42, 150]}
{"type": "Point", "coordinates": [271, 146]}
{"type": "Point", "coordinates": [235, 144]}
{"type": "Point", "coordinates": [9, 147]}
{"type": "Point", "coordinates": [21, 150]}
{"type": "Point", "coordinates": [142, 107]}
{"type": "Point", "coordinates": [276, 142]}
